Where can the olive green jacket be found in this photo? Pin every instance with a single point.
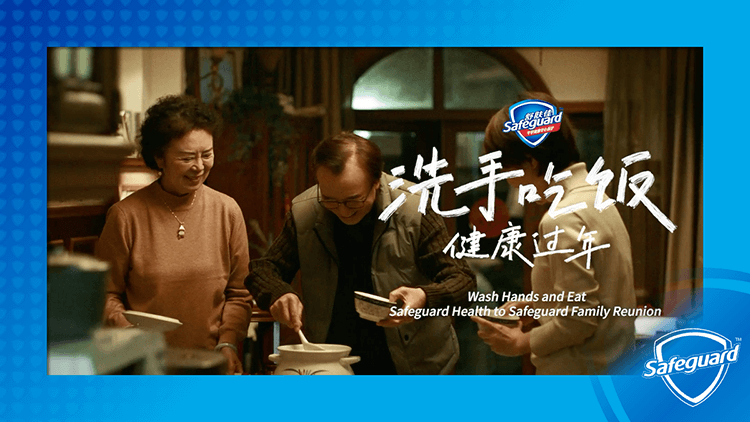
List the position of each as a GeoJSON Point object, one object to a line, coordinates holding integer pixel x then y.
{"type": "Point", "coordinates": [425, 346]}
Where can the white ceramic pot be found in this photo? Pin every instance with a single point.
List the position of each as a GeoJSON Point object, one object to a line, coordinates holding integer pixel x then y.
{"type": "Point", "coordinates": [334, 359]}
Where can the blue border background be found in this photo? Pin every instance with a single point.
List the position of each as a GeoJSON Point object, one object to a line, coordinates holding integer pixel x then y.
{"type": "Point", "coordinates": [27, 28]}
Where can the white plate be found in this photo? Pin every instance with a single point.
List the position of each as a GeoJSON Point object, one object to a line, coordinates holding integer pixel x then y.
{"type": "Point", "coordinates": [151, 322]}
{"type": "Point", "coordinates": [374, 299]}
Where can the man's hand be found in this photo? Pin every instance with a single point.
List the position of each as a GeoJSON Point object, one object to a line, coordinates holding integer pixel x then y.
{"type": "Point", "coordinates": [413, 297]}
{"type": "Point", "coordinates": [502, 339]}
{"type": "Point", "coordinates": [288, 310]}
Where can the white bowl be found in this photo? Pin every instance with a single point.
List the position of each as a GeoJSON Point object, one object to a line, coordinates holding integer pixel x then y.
{"type": "Point", "coordinates": [372, 307]}
{"type": "Point", "coordinates": [151, 322]}
{"type": "Point", "coordinates": [506, 319]}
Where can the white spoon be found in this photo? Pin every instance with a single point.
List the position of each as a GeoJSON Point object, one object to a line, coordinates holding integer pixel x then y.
{"type": "Point", "coordinates": [306, 344]}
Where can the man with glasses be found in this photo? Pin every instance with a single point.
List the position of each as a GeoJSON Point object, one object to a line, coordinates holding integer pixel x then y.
{"type": "Point", "coordinates": [334, 238]}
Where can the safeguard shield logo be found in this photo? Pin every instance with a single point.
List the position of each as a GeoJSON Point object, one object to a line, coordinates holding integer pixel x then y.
{"type": "Point", "coordinates": [692, 362]}
{"type": "Point", "coordinates": [533, 121]}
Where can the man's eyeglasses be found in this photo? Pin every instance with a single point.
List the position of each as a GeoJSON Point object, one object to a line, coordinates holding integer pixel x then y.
{"type": "Point", "coordinates": [351, 203]}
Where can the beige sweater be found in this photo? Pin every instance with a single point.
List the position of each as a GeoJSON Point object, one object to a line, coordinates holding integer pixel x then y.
{"type": "Point", "coordinates": [197, 279]}
{"type": "Point", "coordinates": [578, 344]}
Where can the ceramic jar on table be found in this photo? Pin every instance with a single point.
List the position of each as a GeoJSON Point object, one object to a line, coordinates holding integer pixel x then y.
{"type": "Point", "coordinates": [334, 359]}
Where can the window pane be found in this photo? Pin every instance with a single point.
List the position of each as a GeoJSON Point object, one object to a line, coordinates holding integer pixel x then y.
{"type": "Point", "coordinates": [398, 149]}
{"type": "Point", "coordinates": [84, 62]}
{"type": "Point", "coordinates": [468, 149]}
{"type": "Point", "coordinates": [590, 143]}
{"type": "Point", "coordinates": [402, 80]}
{"type": "Point", "coordinates": [61, 62]}
{"type": "Point", "coordinates": [474, 80]}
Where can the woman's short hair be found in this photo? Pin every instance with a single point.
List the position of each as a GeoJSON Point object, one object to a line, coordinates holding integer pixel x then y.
{"type": "Point", "coordinates": [334, 152]}
{"type": "Point", "coordinates": [559, 148]}
{"type": "Point", "coordinates": [173, 117]}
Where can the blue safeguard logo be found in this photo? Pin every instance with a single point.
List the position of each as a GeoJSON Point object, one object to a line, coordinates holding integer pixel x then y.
{"type": "Point", "coordinates": [692, 362]}
{"type": "Point", "coordinates": [533, 121]}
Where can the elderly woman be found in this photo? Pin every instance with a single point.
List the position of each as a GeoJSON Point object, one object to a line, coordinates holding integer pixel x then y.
{"type": "Point", "coordinates": [576, 343]}
{"type": "Point", "coordinates": [177, 247]}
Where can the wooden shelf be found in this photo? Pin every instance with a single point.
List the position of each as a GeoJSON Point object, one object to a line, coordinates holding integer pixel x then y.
{"type": "Point", "coordinates": [83, 167]}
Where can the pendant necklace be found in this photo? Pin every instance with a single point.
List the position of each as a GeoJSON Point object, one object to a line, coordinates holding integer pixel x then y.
{"type": "Point", "coordinates": [181, 230]}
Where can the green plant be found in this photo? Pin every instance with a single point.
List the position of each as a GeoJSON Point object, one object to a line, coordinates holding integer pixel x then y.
{"type": "Point", "coordinates": [257, 114]}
